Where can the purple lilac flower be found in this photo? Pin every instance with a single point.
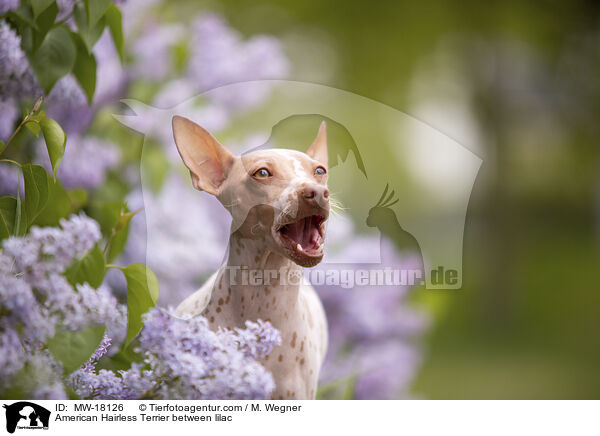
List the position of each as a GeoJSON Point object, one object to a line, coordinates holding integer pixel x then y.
{"type": "Point", "coordinates": [220, 57]}
{"type": "Point", "coordinates": [386, 369]}
{"type": "Point", "coordinates": [84, 307]}
{"type": "Point", "coordinates": [16, 77]}
{"type": "Point", "coordinates": [54, 391]}
{"type": "Point", "coordinates": [9, 180]}
{"type": "Point", "coordinates": [8, 5]}
{"type": "Point", "coordinates": [67, 105]}
{"type": "Point", "coordinates": [153, 49]}
{"type": "Point", "coordinates": [9, 114]}
{"type": "Point", "coordinates": [20, 308]}
{"type": "Point", "coordinates": [111, 78]}
{"type": "Point", "coordinates": [64, 8]}
{"type": "Point", "coordinates": [257, 339]}
{"type": "Point", "coordinates": [47, 250]}
{"type": "Point", "coordinates": [12, 355]}
{"type": "Point", "coordinates": [102, 349]}
{"type": "Point", "coordinates": [135, 14]}
{"type": "Point", "coordinates": [108, 385]}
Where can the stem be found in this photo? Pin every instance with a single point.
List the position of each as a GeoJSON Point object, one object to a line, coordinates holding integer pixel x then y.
{"type": "Point", "coordinates": [36, 107]}
{"type": "Point", "coordinates": [110, 239]}
{"type": "Point", "coordinates": [11, 161]}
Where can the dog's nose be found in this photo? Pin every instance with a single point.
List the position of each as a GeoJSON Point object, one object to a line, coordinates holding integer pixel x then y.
{"type": "Point", "coordinates": [315, 194]}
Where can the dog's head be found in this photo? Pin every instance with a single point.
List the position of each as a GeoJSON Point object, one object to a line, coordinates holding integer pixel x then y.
{"type": "Point", "coordinates": [279, 196]}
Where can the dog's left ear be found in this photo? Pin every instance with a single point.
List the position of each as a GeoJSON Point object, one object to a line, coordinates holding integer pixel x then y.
{"type": "Point", "coordinates": [318, 149]}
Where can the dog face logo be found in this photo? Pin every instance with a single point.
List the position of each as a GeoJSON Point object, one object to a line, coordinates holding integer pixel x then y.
{"type": "Point", "coordinates": [26, 415]}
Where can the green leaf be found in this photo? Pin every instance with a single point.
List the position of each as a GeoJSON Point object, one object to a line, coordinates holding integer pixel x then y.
{"type": "Point", "coordinates": [89, 34]}
{"type": "Point", "coordinates": [121, 233]}
{"type": "Point", "coordinates": [54, 58]}
{"type": "Point", "coordinates": [78, 199]}
{"type": "Point", "coordinates": [114, 21]}
{"type": "Point", "coordinates": [142, 294]}
{"type": "Point", "coordinates": [155, 165]}
{"type": "Point", "coordinates": [107, 215]}
{"type": "Point", "coordinates": [20, 222]}
{"type": "Point", "coordinates": [44, 23]}
{"type": "Point", "coordinates": [73, 349]}
{"type": "Point", "coordinates": [57, 207]}
{"type": "Point", "coordinates": [37, 117]}
{"type": "Point", "coordinates": [95, 10]}
{"type": "Point", "coordinates": [89, 269]}
{"type": "Point", "coordinates": [56, 140]}
{"type": "Point", "coordinates": [120, 361]}
{"type": "Point", "coordinates": [8, 209]}
{"type": "Point", "coordinates": [33, 127]}
{"type": "Point", "coordinates": [71, 394]}
{"type": "Point", "coordinates": [40, 6]}
{"type": "Point", "coordinates": [36, 192]}
{"type": "Point", "coordinates": [23, 15]}
{"type": "Point", "coordinates": [84, 69]}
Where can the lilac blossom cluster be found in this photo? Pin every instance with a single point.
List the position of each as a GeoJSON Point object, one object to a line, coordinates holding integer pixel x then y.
{"type": "Point", "coordinates": [10, 179]}
{"type": "Point", "coordinates": [16, 78]}
{"type": "Point", "coordinates": [220, 57]}
{"type": "Point", "coordinates": [184, 359]}
{"type": "Point", "coordinates": [36, 301]}
{"type": "Point", "coordinates": [8, 5]}
{"type": "Point", "coordinates": [373, 331]}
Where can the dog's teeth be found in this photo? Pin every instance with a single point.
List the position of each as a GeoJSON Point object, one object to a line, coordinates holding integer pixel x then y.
{"type": "Point", "coordinates": [299, 247]}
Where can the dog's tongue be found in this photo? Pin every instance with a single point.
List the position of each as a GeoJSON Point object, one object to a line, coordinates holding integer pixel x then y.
{"type": "Point", "coordinates": [303, 232]}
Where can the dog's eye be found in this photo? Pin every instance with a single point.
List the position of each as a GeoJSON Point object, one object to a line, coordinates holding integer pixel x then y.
{"type": "Point", "coordinates": [262, 173]}
{"type": "Point", "coordinates": [320, 171]}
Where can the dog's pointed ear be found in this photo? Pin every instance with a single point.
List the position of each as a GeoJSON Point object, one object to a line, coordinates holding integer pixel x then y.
{"type": "Point", "coordinates": [208, 161]}
{"type": "Point", "coordinates": [318, 149]}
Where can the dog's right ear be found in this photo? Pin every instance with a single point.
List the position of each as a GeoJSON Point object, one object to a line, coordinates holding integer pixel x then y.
{"type": "Point", "coordinates": [208, 161]}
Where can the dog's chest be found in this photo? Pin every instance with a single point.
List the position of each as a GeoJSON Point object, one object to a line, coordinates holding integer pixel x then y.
{"type": "Point", "coordinates": [295, 311]}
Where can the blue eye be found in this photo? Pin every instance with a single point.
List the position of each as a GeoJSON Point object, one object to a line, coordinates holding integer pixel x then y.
{"type": "Point", "coordinates": [262, 173]}
{"type": "Point", "coordinates": [320, 171]}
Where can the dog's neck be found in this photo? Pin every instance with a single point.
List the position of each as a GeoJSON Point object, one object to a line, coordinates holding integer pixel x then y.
{"type": "Point", "coordinates": [274, 294]}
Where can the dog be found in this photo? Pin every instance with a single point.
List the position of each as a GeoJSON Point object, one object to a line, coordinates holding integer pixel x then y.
{"type": "Point", "coordinates": [279, 202]}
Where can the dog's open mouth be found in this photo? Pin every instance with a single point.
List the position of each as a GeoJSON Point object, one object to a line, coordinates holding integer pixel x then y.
{"type": "Point", "coordinates": [304, 238]}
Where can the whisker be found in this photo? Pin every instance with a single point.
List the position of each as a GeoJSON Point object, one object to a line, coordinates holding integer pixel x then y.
{"type": "Point", "coordinates": [336, 206]}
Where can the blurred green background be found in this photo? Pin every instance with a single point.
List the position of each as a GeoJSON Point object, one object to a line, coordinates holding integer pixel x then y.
{"type": "Point", "coordinates": [526, 323]}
